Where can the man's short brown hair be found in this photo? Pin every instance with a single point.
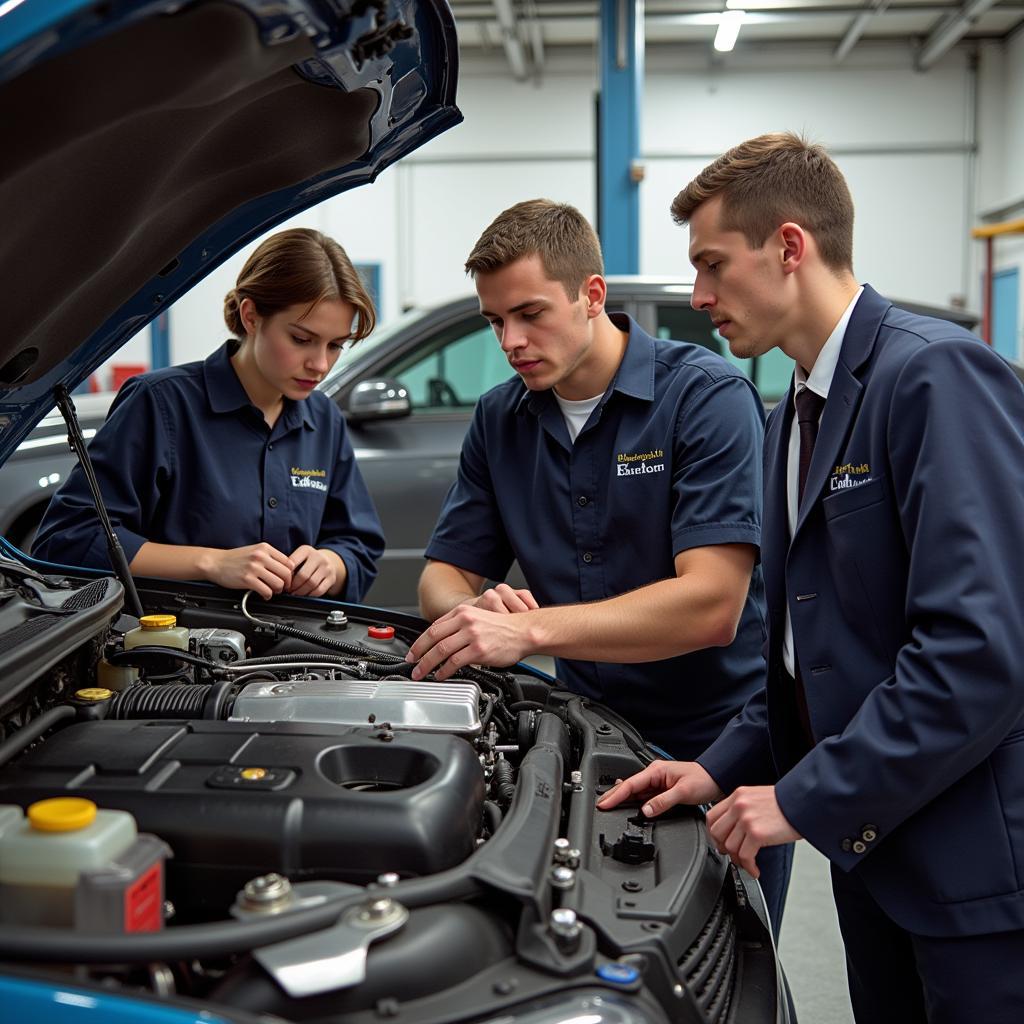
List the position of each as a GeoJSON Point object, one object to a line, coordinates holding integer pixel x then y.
{"type": "Point", "coordinates": [556, 232]}
{"type": "Point", "coordinates": [770, 180]}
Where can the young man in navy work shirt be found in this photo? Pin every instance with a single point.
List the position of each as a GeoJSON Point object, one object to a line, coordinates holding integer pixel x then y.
{"type": "Point", "coordinates": [623, 473]}
{"type": "Point", "coordinates": [891, 731]}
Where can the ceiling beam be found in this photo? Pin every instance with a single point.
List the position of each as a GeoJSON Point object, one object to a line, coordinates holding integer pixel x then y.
{"type": "Point", "coordinates": [949, 31]}
{"type": "Point", "coordinates": [510, 40]}
{"type": "Point", "coordinates": [856, 28]}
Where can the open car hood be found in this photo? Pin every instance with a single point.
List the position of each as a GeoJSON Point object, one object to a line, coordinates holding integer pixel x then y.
{"type": "Point", "coordinates": [149, 140]}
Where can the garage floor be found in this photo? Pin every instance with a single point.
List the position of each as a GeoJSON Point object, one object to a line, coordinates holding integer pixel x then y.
{"type": "Point", "coordinates": [810, 948]}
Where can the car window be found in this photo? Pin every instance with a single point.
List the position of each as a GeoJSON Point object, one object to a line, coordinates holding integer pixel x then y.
{"type": "Point", "coordinates": [770, 373]}
{"type": "Point", "coordinates": [453, 369]}
{"type": "Point", "coordinates": [685, 324]}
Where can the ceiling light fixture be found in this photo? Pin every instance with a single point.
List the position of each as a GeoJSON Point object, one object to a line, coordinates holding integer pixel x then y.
{"type": "Point", "coordinates": [728, 29]}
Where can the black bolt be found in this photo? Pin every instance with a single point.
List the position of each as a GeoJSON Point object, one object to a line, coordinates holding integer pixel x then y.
{"type": "Point", "coordinates": [630, 885]}
{"type": "Point", "coordinates": [604, 729]}
{"type": "Point", "coordinates": [651, 926]}
{"type": "Point", "coordinates": [505, 987]}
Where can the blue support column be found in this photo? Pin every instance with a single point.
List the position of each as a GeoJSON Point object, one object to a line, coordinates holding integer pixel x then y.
{"type": "Point", "coordinates": [618, 134]}
{"type": "Point", "coordinates": [160, 341]}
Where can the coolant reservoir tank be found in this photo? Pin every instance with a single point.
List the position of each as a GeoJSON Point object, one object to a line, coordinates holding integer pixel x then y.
{"type": "Point", "coordinates": [43, 854]}
{"type": "Point", "coordinates": [157, 631]}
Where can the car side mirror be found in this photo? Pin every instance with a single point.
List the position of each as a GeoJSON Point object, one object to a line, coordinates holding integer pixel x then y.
{"type": "Point", "coordinates": [383, 399]}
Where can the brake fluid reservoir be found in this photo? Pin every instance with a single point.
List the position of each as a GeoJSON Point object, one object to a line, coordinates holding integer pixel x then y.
{"type": "Point", "coordinates": [383, 638]}
{"type": "Point", "coordinates": [157, 631]}
{"type": "Point", "coordinates": [43, 855]}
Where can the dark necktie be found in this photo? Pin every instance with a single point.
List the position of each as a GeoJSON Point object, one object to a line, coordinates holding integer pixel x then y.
{"type": "Point", "coordinates": [808, 413]}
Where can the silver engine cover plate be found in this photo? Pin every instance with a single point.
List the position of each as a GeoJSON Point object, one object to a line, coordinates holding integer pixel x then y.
{"type": "Point", "coordinates": [425, 707]}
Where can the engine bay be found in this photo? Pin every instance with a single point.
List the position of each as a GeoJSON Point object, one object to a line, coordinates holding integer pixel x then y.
{"type": "Point", "coordinates": [339, 842]}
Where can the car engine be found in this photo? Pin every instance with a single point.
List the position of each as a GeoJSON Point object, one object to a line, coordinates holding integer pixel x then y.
{"type": "Point", "coordinates": [321, 838]}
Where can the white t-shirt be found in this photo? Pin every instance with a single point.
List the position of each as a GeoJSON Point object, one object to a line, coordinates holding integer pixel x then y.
{"type": "Point", "coordinates": [577, 413]}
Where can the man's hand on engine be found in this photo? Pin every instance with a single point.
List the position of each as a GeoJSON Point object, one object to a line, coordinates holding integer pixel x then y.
{"type": "Point", "coordinates": [504, 598]}
{"type": "Point", "coordinates": [661, 785]}
{"type": "Point", "coordinates": [469, 635]}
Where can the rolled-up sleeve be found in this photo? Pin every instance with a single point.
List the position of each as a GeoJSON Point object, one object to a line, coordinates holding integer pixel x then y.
{"type": "Point", "coordinates": [717, 467]}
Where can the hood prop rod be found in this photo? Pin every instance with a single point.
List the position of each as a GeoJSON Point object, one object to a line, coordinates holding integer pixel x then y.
{"type": "Point", "coordinates": [114, 550]}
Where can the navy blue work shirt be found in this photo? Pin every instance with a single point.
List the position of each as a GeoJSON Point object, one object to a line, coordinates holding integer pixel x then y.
{"type": "Point", "coordinates": [669, 460]}
{"type": "Point", "coordinates": [185, 458]}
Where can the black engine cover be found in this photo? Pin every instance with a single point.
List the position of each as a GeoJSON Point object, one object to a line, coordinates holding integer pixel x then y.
{"type": "Point", "coordinates": [234, 800]}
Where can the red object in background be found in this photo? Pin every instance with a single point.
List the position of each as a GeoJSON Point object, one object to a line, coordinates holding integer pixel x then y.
{"type": "Point", "coordinates": [381, 632]}
{"type": "Point", "coordinates": [120, 372]}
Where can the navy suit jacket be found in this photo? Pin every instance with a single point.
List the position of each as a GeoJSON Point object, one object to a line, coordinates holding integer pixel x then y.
{"type": "Point", "coordinates": [904, 578]}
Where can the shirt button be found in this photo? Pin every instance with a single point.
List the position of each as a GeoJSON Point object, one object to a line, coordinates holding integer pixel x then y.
{"type": "Point", "coordinates": [869, 833]}
{"type": "Point", "coordinates": [587, 557]}
{"type": "Point", "coordinates": [581, 500]}
{"type": "Point", "coordinates": [270, 447]}
{"type": "Point", "coordinates": [272, 502]}
{"type": "Point", "coordinates": [859, 847]}
{"type": "Point", "coordinates": [846, 845]}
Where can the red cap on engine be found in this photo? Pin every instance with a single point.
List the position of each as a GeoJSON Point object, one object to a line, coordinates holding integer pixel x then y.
{"type": "Point", "coordinates": [380, 632]}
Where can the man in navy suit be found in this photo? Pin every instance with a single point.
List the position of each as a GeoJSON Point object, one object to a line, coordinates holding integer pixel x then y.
{"type": "Point", "coordinates": [891, 731]}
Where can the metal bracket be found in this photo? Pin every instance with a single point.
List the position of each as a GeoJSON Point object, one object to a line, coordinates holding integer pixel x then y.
{"type": "Point", "coordinates": [334, 958]}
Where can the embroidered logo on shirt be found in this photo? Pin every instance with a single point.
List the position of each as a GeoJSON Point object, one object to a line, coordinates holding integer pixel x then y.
{"type": "Point", "coordinates": [309, 478]}
{"type": "Point", "coordinates": [640, 463]}
{"type": "Point", "coordinates": [849, 475]}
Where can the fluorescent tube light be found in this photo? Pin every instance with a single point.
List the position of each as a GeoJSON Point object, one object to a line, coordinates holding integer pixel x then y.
{"type": "Point", "coordinates": [728, 29]}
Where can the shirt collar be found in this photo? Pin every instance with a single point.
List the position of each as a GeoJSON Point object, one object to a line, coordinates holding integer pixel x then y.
{"type": "Point", "coordinates": [225, 393]}
{"type": "Point", "coordinates": [634, 377]}
{"type": "Point", "coordinates": [820, 378]}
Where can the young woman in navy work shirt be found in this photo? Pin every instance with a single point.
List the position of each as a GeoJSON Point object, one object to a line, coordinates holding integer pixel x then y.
{"type": "Point", "coordinates": [234, 469]}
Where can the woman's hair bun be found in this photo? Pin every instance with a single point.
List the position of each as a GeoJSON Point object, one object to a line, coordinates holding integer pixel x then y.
{"type": "Point", "coordinates": [232, 316]}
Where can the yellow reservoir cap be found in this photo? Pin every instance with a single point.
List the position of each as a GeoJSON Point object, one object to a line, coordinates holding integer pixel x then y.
{"type": "Point", "coordinates": [61, 814]}
{"type": "Point", "coordinates": [158, 622]}
{"type": "Point", "coordinates": [94, 693]}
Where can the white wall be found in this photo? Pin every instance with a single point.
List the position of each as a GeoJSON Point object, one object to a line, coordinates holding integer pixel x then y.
{"type": "Point", "coordinates": [904, 139]}
{"type": "Point", "coordinates": [1000, 185]}
{"type": "Point", "coordinates": [901, 139]}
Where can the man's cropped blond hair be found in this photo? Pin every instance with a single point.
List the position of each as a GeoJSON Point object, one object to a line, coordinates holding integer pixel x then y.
{"type": "Point", "coordinates": [556, 232]}
{"type": "Point", "coordinates": [775, 178]}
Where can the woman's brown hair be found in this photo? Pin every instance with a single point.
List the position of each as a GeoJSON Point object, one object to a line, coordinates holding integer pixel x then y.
{"type": "Point", "coordinates": [299, 265]}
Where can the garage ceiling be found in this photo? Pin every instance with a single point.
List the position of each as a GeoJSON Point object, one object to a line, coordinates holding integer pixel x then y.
{"type": "Point", "coordinates": [525, 27]}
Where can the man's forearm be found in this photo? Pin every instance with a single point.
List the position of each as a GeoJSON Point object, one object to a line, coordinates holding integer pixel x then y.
{"type": "Point", "coordinates": [662, 620]}
{"type": "Point", "coordinates": [441, 588]}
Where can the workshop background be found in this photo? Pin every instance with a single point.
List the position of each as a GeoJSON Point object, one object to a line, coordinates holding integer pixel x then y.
{"type": "Point", "coordinates": [921, 103]}
{"type": "Point", "coordinates": [932, 146]}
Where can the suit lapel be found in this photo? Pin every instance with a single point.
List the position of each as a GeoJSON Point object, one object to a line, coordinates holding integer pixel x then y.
{"type": "Point", "coordinates": [840, 410]}
{"type": "Point", "coordinates": [844, 395]}
{"type": "Point", "coordinates": [775, 541]}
